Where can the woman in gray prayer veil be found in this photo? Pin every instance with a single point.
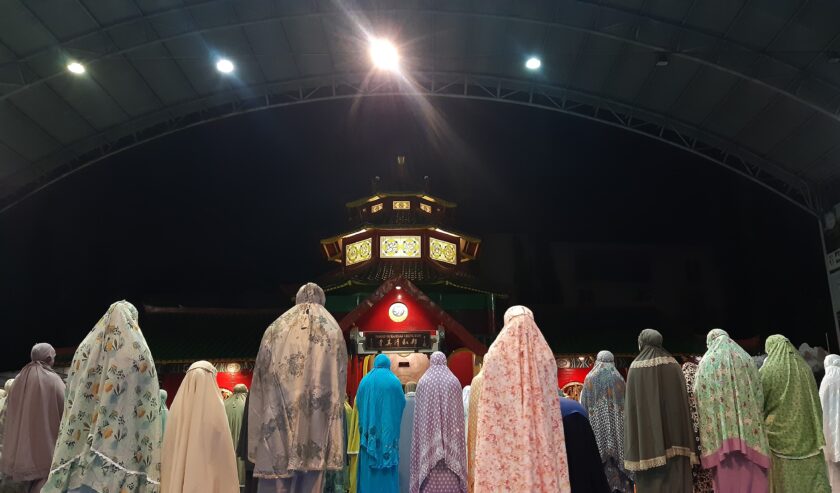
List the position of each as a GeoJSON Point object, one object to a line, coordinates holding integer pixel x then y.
{"type": "Point", "coordinates": [296, 404]}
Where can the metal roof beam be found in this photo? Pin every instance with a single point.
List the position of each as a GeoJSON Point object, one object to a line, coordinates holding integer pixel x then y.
{"type": "Point", "coordinates": [678, 134]}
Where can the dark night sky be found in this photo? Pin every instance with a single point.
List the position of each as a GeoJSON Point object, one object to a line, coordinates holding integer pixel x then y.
{"type": "Point", "coordinates": [224, 213]}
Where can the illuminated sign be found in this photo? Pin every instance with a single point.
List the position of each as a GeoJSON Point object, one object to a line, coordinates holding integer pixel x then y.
{"type": "Point", "coordinates": [358, 252]}
{"type": "Point", "coordinates": [399, 246]}
{"type": "Point", "coordinates": [402, 205]}
{"type": "Point", "coordinates": [443, 251]}
{"type": "Point", "coordinates": [398, 312]}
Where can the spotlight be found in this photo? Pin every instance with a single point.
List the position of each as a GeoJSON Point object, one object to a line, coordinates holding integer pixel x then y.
{"type": "Point", "coordinates": [225, 66]}
{"type": "Point", "coordinates": [662, 60]}
{"type": "Point", "coordinates": [76, 68]}
{"type": "Point", "coordinates": [533, 63]}
{"type": "Point", "coordinates": [384, 55]}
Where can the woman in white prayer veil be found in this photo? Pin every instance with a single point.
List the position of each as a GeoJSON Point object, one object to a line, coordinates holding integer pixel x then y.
{"type": "Point", "coordinates": [830, 398]}
{"type": "Point", "coordinates": [110, 436]}
{"type": "Point", "coordinates": [295, 426]}
{"type": "Point", "coordinates": [7, 387]}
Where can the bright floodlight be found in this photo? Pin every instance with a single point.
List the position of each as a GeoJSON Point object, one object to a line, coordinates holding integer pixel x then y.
{"type": "Point", "coordinates": [224, 66]}
{"type": "Point", "coordinates": [76, 67]}
{"type": "Point", "coordinates": [384, 55]}
{"type": "Point", "coordinates": [533, 63]}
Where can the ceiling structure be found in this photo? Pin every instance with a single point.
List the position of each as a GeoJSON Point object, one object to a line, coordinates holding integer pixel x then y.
{"type": "Point", "coordinates": [753, 85]}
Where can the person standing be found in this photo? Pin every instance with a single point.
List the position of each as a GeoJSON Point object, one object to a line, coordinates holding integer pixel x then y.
{"type": "Point", "coordinates": [830, 399]}
{"type": "Point", "coordinates": [730, 403]}
{"type": "Point", "coordinates": [296, 403]}
{"type": "Point", "coordinates": [438, 451]}
{"type": "Point", "coordinates": [234, 410]}
{"type": "Point", "coordinates": [701, 476]}
{"type": "Point", "coordinates": [476, 386]}
{"type": "Point", "coordinates": [380, 402]}
{"type": "Point", "coordinates": [793, 420]}
{"type": "Point", "coordinates": [33, 414]}
{"type": "Point", "coordinates": [659, 443]}
{"type": "Point", "coordinates": [520, 441]}
{"type": "Point", "coordinates": [112, 428]}
{"type": "Point", "coordinates": [586, 473]}
{"type": "Point", "coordinates": [406, 436]}
{"type": "Point", "coordinates": [603, 397]}
{"type": "Point", "coordinates": [198, 454]}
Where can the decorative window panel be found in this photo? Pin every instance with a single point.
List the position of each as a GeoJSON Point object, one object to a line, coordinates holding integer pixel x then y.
{"type": "Point", "coordinates": [399, 247]}
{"type": "Point", "coordinates": [443, 251]}
{"type": "Point", "coordinates": [402, 205]}
{"type": "Point", "coordinates": [426, 208]}
{"type": "Point", "coordinates": [358, 252]}
{"type": "Point", "coordinates": [376, 208]}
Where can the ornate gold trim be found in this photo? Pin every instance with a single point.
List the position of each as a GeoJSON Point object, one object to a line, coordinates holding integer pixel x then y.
{"type": "Point", "coordinates": [642, 465]}
{"type": "Point", "coordinates": [649, 363]}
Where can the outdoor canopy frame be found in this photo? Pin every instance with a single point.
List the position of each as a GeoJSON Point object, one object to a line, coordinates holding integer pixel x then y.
{"type": "Point", "coordinates": [754, 88]}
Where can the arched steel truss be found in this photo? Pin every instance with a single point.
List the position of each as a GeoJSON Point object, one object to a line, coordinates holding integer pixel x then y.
{"type": "Point", "coordinates": [436, 85]}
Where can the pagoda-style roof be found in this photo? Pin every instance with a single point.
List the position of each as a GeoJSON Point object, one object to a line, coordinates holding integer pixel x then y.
{"type": "Point", "coordinates": [403, 234]}
{"type": "Point", "coordinates": [420, 271]}
{"type": "Point", "coordinates": [400, 195]}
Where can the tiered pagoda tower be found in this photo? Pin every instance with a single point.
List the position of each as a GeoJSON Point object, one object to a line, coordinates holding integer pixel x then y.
{"type": "Point", "coordinates": [405, 280]}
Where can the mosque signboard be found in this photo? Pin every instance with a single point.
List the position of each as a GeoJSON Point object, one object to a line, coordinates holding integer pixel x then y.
{"type": "Point", "coordinates": [398, 341]}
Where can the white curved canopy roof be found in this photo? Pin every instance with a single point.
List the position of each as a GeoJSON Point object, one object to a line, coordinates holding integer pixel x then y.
{"type": "Point", "coordinates": [753, 85]}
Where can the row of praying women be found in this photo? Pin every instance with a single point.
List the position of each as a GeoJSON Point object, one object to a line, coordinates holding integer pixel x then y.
{"type": "Point", "coordinates": [743, 429]}
{"type": "Point", "coordinates": [108, 431]}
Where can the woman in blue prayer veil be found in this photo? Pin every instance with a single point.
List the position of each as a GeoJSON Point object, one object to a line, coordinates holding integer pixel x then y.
{"type": "Point", "coordinates": [380, 401]}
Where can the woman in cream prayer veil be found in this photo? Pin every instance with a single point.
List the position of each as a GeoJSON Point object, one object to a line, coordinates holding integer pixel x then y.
{"type": "Point", "coordinates": [7, 387]}
{"type": "Point", "coordinates": [296, 408]}
{"type": "Point", "coordinates": [198, 454]}
{"type": "Point", "coordinates": [111, 432]}
{"type": "Point", "coordinates": [520, 444]}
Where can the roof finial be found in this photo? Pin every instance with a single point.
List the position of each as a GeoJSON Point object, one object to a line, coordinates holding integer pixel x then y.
{"type": "Point", "coordinates": [401, 160]}
{"type": "Point", "coordinates": [374, 184]}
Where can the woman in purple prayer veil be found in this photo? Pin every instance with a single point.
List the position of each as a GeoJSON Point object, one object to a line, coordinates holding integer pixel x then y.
{"type": "Point", "coordinates": [438, 452]}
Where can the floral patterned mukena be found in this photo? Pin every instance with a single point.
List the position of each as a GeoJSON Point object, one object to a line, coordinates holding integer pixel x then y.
{"type": "Point", "coordinates": [296, 410]}
{"type": "Point", "coordinates": [520, 444]}
{"type": "Point", "coordinates": [730, 404]}
{"type": "Point", "coordinates": [110, 434]}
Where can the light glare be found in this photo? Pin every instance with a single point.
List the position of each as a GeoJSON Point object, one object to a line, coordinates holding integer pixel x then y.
{"type": "Point", "coordinates": [76, 68]}
{"type": "Point", "coordinates": [224, 66]}
{"type": "Point", "coordinates": [533, 63]}
{"type": "Point", "coordinates": [384, 55]}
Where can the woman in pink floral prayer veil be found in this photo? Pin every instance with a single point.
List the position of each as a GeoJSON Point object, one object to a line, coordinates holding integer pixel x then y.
{"type": "Point", "coordinates": [520, 444]}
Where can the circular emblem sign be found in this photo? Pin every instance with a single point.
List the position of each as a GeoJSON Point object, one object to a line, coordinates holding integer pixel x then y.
{"type": "Point", "coordinates": [398, 312]}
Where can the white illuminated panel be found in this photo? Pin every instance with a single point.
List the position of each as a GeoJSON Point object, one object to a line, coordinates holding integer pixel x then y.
{"type": "Point", "coordinates": [426, 208]}
{"type": "Point", "coordinates": [443, 251]}
{"type": "Point", "coordinates": [358, 252]}
{"type": "Point", "coordinates": [402, 205]}
{"type": "Point", "coordinates": [375, 208]}
{"type": "Point", "coordinates": [399, 247]}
